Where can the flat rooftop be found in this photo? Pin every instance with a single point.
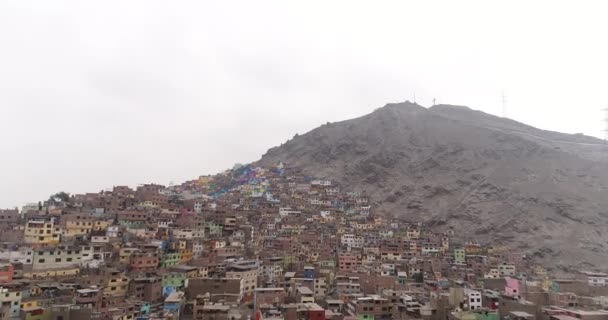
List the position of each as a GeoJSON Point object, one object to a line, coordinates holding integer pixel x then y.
{"type": "Point", "coordinates": [304, 290]}
{"type": "Point", "coordinates": [269, 289]}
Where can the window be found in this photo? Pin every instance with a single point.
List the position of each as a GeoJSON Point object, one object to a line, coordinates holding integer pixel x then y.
{"type": "Point", "coordinates": [57, 259]}
{"type": "Point", "coordinates": [40, 260]}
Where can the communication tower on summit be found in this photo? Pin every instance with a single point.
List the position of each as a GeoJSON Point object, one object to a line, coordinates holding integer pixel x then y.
{"type": "Point", "coordinates": [605, 120]}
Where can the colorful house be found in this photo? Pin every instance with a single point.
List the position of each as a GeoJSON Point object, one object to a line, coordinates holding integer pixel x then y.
{"type": "Point", "coordinates": [124, 254]}
{"type": "Point", "coordinates": [476, 315]}
{"type": "Point", "coordinates": [459, 256]}
{"type": "Point", "coordinates": [174, 304]}
{"type": "Point", "coordinates": [6, 273]}
{"type": "Point", "coordinates": [170, 259]}
{"type": "Point", "coordinates": [185, 255]}
{"type": "Point", "coordinates": [511, 287]}
{"type": "Point", "coordinates": [10, 296]}
{"type": "Point", "coordinates": [173, 281]}
{"type": "Point", "coordinates": [41, 232]}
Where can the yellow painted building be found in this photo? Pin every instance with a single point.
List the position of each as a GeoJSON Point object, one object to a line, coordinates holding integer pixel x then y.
{"type": "Point", "coordinates": [29, 304]}
{"type": "Point", "coordinates": [125, 254]}
{"type": "Point", "coordinates": [148, 204]}
{"type": "Point", "coordinates": [83, 227]}
{"type": "Point", "coordinates": [445, 244]}
{"type": "Point", "coordinates": [41, 232]}
{"type": "Point", "coordinates": [77, 228]}
{"type": "Point", "coordinates": [204, 180]}
{"type": "Point", "coordinates": [36, 313]}
{"type": "Point", "coordinates": [43, 274]}
{"type": "Point", "coordinates": [117, 284]}
{"type": "Point", "coordinates": [185, 255]}
{"type": "Point", "coordinates": [99, 225]}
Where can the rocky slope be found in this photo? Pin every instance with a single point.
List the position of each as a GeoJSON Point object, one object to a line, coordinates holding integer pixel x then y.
{"type": "Point", "coordinates": [485, 177]}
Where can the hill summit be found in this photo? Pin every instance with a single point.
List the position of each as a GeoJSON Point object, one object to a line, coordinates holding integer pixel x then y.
{"type": "Point", "coordinates": [498, 180]}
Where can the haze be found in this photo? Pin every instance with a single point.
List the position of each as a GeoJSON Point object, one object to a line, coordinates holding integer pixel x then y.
{"type": "Point", "coordinates": [95, 94]}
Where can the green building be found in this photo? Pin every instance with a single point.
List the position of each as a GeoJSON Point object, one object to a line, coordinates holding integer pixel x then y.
{"type": "Point", "coordinates": [173, 281]}
{"type": "Point", "coordinates": [215, 228]}
{"type": "Point", "coordinates": [169, 259]}
{"type": "Point", "coordinates": [481, 314]}
{"type": "Point", "coordinates": [459, 256]}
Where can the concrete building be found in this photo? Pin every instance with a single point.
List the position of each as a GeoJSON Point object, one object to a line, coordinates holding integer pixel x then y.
{"type": "Point", "coordinates": [41, 232]}
{"type": "Point", "coordinates": [58, 257]}
{"type": "Point", "coordinates": [225, 289]}
{"type": "Point", "coordinates": [10, 300]}
{"type": "Point", "coordinates": [472, 299]}
{"type": "Point", "coordinates": [246, 270]}
{"type": "Point", "coordinates": [506, 270]}
{"type": "Point", "coordinates": [144, 261]}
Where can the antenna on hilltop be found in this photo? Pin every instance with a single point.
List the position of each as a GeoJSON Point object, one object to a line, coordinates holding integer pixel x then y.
{"type": "Point", "coordinates": [504, 105]}
{"type": "Point", "coordinates": [414, 96]}
{"type": "Point", "coordinates": [605, 124]}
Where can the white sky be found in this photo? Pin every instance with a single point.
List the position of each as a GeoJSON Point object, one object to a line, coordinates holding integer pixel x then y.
{"type": "Point", "coordinates": [101, 93]}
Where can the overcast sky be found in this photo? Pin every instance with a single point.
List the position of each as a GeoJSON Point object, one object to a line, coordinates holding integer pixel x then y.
{"type": "Point", "coordinates": [101, 93]}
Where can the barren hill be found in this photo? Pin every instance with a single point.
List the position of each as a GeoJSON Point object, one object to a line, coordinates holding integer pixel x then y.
{"type": "Point", "coordinates": [486, 177]}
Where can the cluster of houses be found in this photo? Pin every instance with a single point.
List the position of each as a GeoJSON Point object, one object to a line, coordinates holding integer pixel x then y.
{"type": "Point", "coordinates": [264, 243]}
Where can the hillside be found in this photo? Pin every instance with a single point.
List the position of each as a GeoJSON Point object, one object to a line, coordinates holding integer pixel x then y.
{"type": "Point", "coordinates": [502, 181]}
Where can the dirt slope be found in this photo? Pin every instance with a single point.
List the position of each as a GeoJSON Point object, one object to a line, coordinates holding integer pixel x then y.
{"type": "Point", "coordinates": [483, 176]}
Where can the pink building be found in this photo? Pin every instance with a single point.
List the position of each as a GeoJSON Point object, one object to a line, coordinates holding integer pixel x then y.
{"type": "Point", "coordinates": [347, 262]}
{"type": "Point", "coordinates": [6, 273]}
{"type": "Point", "coordinates": [512, 287]}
